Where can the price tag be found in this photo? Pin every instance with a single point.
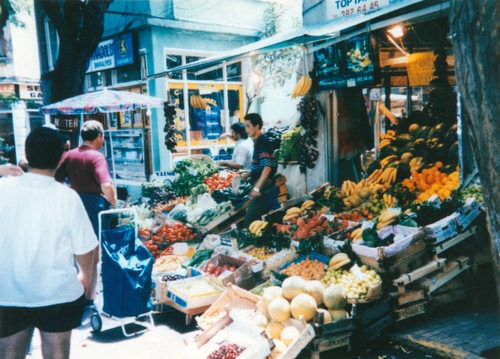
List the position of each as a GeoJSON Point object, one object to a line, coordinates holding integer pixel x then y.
{"type": "Point", "coordinates": [395, 210]}
{"type": "Point", "coordinates": [193, 171]}
{"type": "Point", "coordinates": [223, 174]}
{"type": "Point", "coordinates": [351, 83]}
{"type": "Point", "coordinates": [236, 184]}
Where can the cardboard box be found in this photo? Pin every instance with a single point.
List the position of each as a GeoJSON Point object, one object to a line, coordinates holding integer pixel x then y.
{"type": "Point", "coordinates": [174, 294]}
{"type": "Point", "coordinates": [293, 350]}
{"type": "Point", "coordinates": [279, 259]}
{"type": "Point", "coordinates": [443, 229]}
{"type": "Point", "coordinates": [242, 276]}
{"type": "Point", "coordinates": [468, 213]}
{"type": "Point", "coordinates": [312, 256]}
{"type": "Point", "coordinates": [411, 235]}
{"type": "Point", "coordinates": [233, 297]}
{"type": "Point", "coordinates": [159, 287]}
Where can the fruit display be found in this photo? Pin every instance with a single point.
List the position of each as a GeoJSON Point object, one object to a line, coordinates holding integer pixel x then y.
{"type": "Point", "coordinates": [220, 180]}
{"type": "Point", "coordinates": [191, 174]}
{"type": "Point", "coordinates": [386, 218]}
{"type": "Point", "coordinates": [206, 321]}
{"type": "Point", "coordinates": [306, 269]}
{"type": "Point", "coordinates": [227, 351]}
{"type": "Point", "coordinates": [169, 263]}
{"type": "Point", "coordinates": [175, 231]}
{"type": "Point", "coordinates": [261, 253]}
{"type": "Point", "coordinates": [355, 286]}
{"type": "Point", "coordinates": [171, 277]}
{"type": "Point", "coordinates": [167, 207]}
{"type": "Point", "coordinates": [153, 247]}
{"type": "Point", "coordinates": [196, 101]}
{"type": "Point", "coordinates": [431, 181]}
{"type": "Point", "coordinates": [309, 122]}
{"type": "Point", "coordinates": [472, 191]}
{"type": "Point", "coordinates": [216, 271]}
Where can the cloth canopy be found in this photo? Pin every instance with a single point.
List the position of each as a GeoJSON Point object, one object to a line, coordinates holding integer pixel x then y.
{"type": "Point", "coordinates": [102, 101]}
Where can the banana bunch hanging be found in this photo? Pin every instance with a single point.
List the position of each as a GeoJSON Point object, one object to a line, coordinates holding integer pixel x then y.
{"type": "Point", "coordinates": [303, 86]}
{"type": "Point", "coordinates": [196, 101]}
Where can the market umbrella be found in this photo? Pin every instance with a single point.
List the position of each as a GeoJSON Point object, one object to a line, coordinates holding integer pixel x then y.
{"type": "Point", "coordinates": [102, 101]}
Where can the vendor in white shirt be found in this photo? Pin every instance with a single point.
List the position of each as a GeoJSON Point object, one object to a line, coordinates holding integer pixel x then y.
{"type": "Point", "coordinates": [243, 149]}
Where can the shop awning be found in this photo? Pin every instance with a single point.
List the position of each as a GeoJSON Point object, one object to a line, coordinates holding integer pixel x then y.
{"type": "Point", "coordinates": [308, 35]}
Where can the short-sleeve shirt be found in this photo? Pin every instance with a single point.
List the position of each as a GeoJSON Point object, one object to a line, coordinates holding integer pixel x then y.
{"type": "Point", "coordinates": [263, 155]}
{"type": "Point", "coordinates": [243, 151]}
{"type": "Point", "coordinates": [44, 224]}
{"type": "Point", "coordinates": [85, 168]}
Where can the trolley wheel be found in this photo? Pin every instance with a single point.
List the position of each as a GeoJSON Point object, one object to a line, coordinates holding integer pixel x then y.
{"type": "Point", "coordinates": [96, 322]}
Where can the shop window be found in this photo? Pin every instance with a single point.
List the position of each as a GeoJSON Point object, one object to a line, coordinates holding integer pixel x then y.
{"type": "Point", "coordinates": [234, 72]}
{"type": "Point", "coordinates": [173, 61]}
{"type": "Point", "coordinates": [96, 80]}
{"type": "Point", "coordinates": [128, 73]}
{"type": "Point", "coordinates": [7, 145]}
{"type": "Point", "coordinates": [36, 120]}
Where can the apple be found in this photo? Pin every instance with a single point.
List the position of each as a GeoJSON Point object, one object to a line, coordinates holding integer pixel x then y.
{"type": "Point", "coordinates": [225, 267]}
{"type": "Point", "coordinates": [211, 267]}
{"type": "Point", "coordinates": [232, 268]}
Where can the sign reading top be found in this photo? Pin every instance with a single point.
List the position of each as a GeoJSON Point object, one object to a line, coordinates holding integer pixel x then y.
{"type": "Point", "coordinates": [112, 53]}
{"type": "Point", "coordinates": [342, 8]}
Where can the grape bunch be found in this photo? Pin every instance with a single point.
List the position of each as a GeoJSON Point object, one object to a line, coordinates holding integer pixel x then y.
{"type": "Point", "coordinates": [227, 351]}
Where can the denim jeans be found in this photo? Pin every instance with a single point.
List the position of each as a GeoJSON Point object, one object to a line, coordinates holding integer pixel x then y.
{"type": "Point", "coordinates": [95, 203]}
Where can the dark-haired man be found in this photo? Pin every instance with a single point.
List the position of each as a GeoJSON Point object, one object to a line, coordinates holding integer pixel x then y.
{"type": "Point", "coordinates": [264, 194]}
{"type": "Point", "coordinates": [88, 173]}
{"type": "Point", "coordinates": [243, 149]}
{"type": "Point", "coordinates": [44, 229]}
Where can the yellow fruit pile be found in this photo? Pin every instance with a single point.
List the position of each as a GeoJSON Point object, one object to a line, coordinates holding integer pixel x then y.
{"type": "Point", "coordinates": [307, 269]}
{"type": "Point", "coordinates": [431, 181]}
{"type": "Point", "coordinates": [261, 253]}
{"type": "Point", "coordinates": [355, 288]}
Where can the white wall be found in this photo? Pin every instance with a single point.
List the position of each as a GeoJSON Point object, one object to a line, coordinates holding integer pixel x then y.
{"type": "Point", "coordinates": [25, 49]}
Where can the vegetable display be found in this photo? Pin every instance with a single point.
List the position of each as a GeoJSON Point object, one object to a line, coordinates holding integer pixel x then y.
{"type": "Point", "coordinates": [220, 180]}
{"type": "Point", "coordinates": [177, 231]}
{"type": "Point", "coordinates": [191, 174]}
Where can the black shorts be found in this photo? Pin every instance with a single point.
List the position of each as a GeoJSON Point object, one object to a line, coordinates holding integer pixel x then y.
{"type": "Point", "coordinates": [56, 318]}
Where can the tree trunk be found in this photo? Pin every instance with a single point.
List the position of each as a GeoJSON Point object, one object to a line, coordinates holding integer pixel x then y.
{"type": "Point", "coordinates": [79, 26]}
{"type": "Point", "coordinates": [476, 45]}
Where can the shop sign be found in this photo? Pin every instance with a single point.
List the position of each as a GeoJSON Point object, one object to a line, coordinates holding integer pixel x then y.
{"type": "Point", "coordinates": [67, 123]}
{"type": "Point", "coordinates": [343, 8]}
{"type": "Point", "coordinates": [112, 53]}
{"type": "Point", "coordinates": [9, 89]}
{"type": "Point", "coordinates": [30, 92]}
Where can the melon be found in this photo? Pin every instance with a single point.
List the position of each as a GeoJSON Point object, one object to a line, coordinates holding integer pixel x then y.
{"type": "Point", "coordinates": [334, 297]}
{"type": "Point", "coordinates": [305, 306]}
{"type": "Point", "coordinates": [355, 201]}
{"type": "Point", "coordinates": [338, 314]}
{"type": "Point", "coordinates": [364, 193]}
{"type": "Point", "coordinates": [260, 320]}
{"type": "Point", "coordinates": [288, 335]}
{"type": "Point", "coordinates": [413, 128]}
{"type": "Point", "coordinates": [271, 293]}
{"type": "Point", "coordinates": [279, 310]}
{"type": "Point", "coordinates": [274, 329]}
{"type": "Point", "coordinates": [315, 289]}
{"type": "Point", "coordinates": [292, 287]}
{"type": "Point", "coordinates": [326, 315]}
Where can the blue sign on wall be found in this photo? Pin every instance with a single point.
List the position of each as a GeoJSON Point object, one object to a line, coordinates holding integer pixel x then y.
{"type": "Point", "coordinates": [123, 49]}
{"type": "Point", "coordinates": [112, 53]}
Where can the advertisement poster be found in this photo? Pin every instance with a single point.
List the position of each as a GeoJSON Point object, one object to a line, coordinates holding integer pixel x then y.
{"type": "Point", "coordinates": [346, 64]}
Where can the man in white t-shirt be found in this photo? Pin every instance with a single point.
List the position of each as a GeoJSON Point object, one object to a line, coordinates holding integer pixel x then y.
{"type": "Point", "coordinates": [44, 229]}
{"type": "Point", "coordinates": [243, 149]}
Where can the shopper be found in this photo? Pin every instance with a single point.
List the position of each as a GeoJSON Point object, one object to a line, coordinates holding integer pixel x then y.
{"type": "Point", "coordinates": [243, 149]}
{"type": "Point", "coordinates": [44, 230]}
{"type": "Point", "coordinates": [264, 195]}
{"type": "Point", "coordinates": [88, 173]}
{"type": "Point", "coordinates": [10, 170]}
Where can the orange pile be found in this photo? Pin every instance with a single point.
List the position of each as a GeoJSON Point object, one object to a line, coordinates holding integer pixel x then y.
{"type": "Point", "coordinates": [431, 181]}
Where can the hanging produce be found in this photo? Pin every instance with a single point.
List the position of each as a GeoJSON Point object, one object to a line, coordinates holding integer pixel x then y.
{"type": "Point", "coordinates": [308, 121]}
{"type": "Point", "coordinates": [302, 87]}
{"type": "Point", "coordinates": [169, 129]}
{"type": "Point", "coordinates": [289, 150]}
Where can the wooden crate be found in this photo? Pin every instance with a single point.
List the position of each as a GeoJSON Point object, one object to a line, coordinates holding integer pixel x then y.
{"type": "Point", "coordinates": [418, 273]}
{"type": "Point", "coordinates": [410, 296]}
{"type": "Point", "coordinates": [444, 246]}
{"type": "Point", "coordinates": [374, 330]}
{"type": "Point", "coordinates": [411, 311]}
{"type": "Point", "coordinates": [334, 341]}
{"type": "Point", "coordinates": [450, 270]}
{"type": "Point", "coordinates": [224, 222]}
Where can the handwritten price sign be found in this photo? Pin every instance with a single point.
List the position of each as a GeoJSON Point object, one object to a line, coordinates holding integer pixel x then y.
{"type": "Point", "coordinates": [343, 8]}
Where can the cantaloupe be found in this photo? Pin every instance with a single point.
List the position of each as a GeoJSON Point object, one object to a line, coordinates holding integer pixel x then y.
{"type": "Point", "coordinates": [305, 306]}
{"type": "Point", "coordinates": [292, 287]}
{"type": "Point", "coordinates": [279, 310]}
{"type": "Point", "coordinates": [364, 193]}
{"type": "Point", "coordinates": [279, 347]}
{"type": "Point", "coordinates": [334, 297]}
{"type": "Point", "coordinates": [338, 314]}
{"type": "Point", "coordinates": [274, 329]}
{"type": "Point", "coordinates": [260, 320]}
{"type": "Point", "coordinates": [326, 315]}
{"type": "Point", "coordinates": [289, 334]}
{"type": "Point", "coordinates": [271, 293]}
{"type": "Point", "coordinates": [315, 289]}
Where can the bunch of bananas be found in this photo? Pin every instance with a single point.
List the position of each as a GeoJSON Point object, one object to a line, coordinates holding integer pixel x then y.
{"type": "Point", "coordinates": [307, 205]}
{"type": "Point", "coordinates": [386, 218]}
{"type": "Point", "coordinates": [387, 160]}
{"type": "Point", "coordinates": [256, 227]}
{"type": "Point", "coordinates": [197, 101]}
{"type": "Point", "coordinates": [338, 260]}
{"type": "Point", "coordinates": [389, 175]}
{"type": "Point", "coordinates": [348, 188]}
{"type": "Point", "coordinates": [389, 201]}
{"type": "Point", "coordinates": [389, 135]}
{"type": "Point", "coordinates": [357, 234]}
{"type": "Point", "coordinates": [416, 163]}
{"type": "Point", "coordinates": [303, 86]}
{"type": "Point", "coordinates": [292, 212]}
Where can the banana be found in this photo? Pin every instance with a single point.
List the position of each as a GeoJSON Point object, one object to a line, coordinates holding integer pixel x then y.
{"type": "Point", "coordinates": [293, 210]}
{"type": "Point", "coordinates": [381, 225]}
{"type": "Point", "coordinates": [384, 143]}
{"type": "Point", "coordinates": [357, 232]}
{"type": "Point", "coordinates": [298, 87]}
{"type": "Point", "coordinates": [384, 162]}
{"type": "Point", "coordinates": [307, 86]}
{"type": "Point", "coordinates": [252, 226]}
{"type": "Point", "coordinates": [288, 217]}
{"type": "Point", "coordinates": [307, 204]}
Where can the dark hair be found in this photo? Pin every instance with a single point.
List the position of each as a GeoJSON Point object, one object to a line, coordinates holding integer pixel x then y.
{"type": "Point", "coordinates": [239, 128]}
{"type": "Point", "coordinates": [44, 148]}
{"type": "Point", "coordinates": [254, 119]}
{"type": "Point", "coordinates": [91, 129]}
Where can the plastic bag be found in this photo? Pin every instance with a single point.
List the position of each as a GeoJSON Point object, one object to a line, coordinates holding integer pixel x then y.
{"type": "Point", "coordinates": [204, 203]}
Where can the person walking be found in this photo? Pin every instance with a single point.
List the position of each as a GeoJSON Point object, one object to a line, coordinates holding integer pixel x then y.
{"type": "Point", "coordinates": [88, 173]}
{"type": "Point", "coordinates": [264, 195]}
{"type": "Point", "coordinates": [44, 230]}
{"type": "Point", "coordinates": [243, 149]}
